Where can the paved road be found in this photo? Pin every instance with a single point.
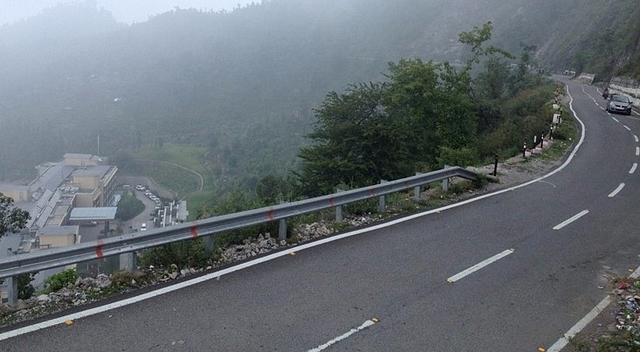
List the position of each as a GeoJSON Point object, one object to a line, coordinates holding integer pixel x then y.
{"type": "Point", "coordinates": [538, 273]}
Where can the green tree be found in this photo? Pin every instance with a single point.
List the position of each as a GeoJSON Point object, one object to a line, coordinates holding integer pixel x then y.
{"type": "Point", "coordinates": [12, 219]}
{"type": "Point", "coordinates": [421, 118]}
{"type": "Point", "coordinates": [271, 189]}
{"type": "Point", "coordinates": [477, 39]}
{"type": "Point", "coordinates": [25, 288]}
{"type": "Point", "coordinates": [356, 143]}
{"type": "Point", "coordinates": [413, 98]}
{"type": "Point", "coordinates": [491, 84]}
{"type": "Point", "coordinates": [129, 206]}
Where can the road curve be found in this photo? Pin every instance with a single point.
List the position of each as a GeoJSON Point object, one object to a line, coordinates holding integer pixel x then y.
{"type": "Point", "coordinates": [196, 173]}
{"type": "Point", "coordinates": [510, 272]}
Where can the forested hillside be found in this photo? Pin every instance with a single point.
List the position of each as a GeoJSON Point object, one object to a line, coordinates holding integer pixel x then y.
{"type": "Point", "coordinates": [244, 84]}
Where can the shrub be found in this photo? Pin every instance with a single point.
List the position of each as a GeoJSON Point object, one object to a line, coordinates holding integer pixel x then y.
{"type": "Point", "coordinates": [184, 254]}
{"type": "Point", "coordinates": [60, 280]}
{"type": "Point", "coordinates": [25, 288]}
{"type": "Point", "coordinates": [129, 207]}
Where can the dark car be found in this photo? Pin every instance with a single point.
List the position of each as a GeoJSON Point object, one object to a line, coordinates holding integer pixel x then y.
{"type": "Point", "coordinates": [619, 103]}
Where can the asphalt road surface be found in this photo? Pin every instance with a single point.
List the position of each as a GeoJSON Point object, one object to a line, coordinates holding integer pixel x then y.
{"type": "Point", "coordinates": [509, 272]}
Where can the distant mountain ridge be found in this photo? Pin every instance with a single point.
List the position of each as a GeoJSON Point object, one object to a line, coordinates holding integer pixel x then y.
{"type": "Point", "coordinates": [244, 83]}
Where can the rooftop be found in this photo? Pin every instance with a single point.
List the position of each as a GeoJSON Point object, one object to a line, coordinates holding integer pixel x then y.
{"type": "Point", "coordinates": [93, 214]}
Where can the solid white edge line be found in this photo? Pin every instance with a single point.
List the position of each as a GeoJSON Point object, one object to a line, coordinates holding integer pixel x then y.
{"type": "Point", "coordinates": [365, 325]}
{"type": "Point", "coordinates": [617, 190]}
{"type": "Point", "coordinates": [633, 168]}
{"type": "Point", "coordinates": [571, 219]}
{"type": "Point", "coordinates": [564, 340]}
{"type": "Point", "coordinates": [479, 266]}
{"type": "Point", "coordinates": [217, 274]}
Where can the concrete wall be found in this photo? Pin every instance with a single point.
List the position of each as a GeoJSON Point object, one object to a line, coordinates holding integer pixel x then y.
{"type": "Point", "coordinates": [58, 240]}
{"type": "Point", "coordinates": [628, 87]}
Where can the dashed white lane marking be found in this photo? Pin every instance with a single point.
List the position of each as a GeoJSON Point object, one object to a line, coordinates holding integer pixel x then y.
{"type": "Point", "coordinates": [564, 340]}
{"type": "Point", "coordinates": [626, 127]}
{"type": "Point", "coordinates": [614, 119]}
{"type": "Point", "coordinates": [616, 191]}
{"type": "Point", "coordinates": [365, 325]}
{"type": "Point", "coordinates": [480, 265]}
{"type": "Point", "coordinates": [218, 274]}
{"type": "Point", "coordinates": [633, 168]}
{"type": "Point", "coordinates": [571, 219]}
{"type": "Point", "coordinates": [635, 136]}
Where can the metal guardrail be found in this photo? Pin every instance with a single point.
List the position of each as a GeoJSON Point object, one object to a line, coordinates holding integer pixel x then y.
{"type": "Point", "coordinates": [58, 257]}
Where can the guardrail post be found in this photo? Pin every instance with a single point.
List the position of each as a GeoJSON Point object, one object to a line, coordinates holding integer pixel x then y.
{"type": "Point", "coordinates": [12, 290]}
{"type": "Point", "coordinates": [445, 182]}
{"type": "Point", "coordinates": [282, 228]}
{"type": "Point", "coordinates": [383, 200]}
{"type": "Point", "coordinates": [128, 261]}
{"type": "Point", "coordinates": [339, 209]}
{"type": "Point", "coordinates": [416, 190]}
{"type": "Point", "coordinates": [208, 244]}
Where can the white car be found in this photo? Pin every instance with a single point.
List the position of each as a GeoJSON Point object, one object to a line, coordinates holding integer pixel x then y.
{"type": "Point", "coordinates": [143, 227]}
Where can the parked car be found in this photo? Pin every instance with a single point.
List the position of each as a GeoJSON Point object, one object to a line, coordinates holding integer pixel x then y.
{"type": "Point", "coordinates": [140, 187]}
{"type": "Point", "coordinates": [143, 227]}
{"type": "Point", "coordinates": [619, 103]}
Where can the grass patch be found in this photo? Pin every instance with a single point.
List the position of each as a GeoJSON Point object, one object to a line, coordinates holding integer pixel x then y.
{"type": "Point", "coordinates": [177, 168]}
{"type": "Point", "coordinates": [189, 156]}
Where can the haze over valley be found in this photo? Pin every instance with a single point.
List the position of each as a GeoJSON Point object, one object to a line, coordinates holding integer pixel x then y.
{"type": "Point", "coordinates": [242, 85]}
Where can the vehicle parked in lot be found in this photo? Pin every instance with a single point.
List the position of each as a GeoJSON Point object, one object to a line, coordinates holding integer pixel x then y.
{"type": "Point", "coordinates": [140, 187]}
{"type": "Point", "coordinates": [619, 103]}
{"type": "Point", "coordinates": [143, 227]}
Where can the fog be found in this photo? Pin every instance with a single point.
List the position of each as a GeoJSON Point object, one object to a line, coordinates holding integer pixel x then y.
{"type": "Point", "coordinates": [242, 85]}
{"type": "Point", "coordinates": [127, 11]}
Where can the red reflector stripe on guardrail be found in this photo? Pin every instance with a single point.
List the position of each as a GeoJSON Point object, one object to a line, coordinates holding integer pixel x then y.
{"type": "Point", "coordinates": [99, 249]}
{"type": "Point", "coordinates": [194, 230]}
{"type": "Point", "coordinates": [270, 214]}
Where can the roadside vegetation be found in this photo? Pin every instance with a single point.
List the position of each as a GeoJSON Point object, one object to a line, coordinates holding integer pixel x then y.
{"type": "Point", "coordinates": [422, 116]}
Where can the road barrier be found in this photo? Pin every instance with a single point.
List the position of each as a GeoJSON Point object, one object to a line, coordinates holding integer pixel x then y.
{"type": "Point", "coordinates": [128, 244]}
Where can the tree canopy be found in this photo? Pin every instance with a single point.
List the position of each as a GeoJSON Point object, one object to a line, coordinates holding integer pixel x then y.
{"type": "Point", "coordinates": [12, 219]}
{"type": "Point", "coordinates": [423, 117]}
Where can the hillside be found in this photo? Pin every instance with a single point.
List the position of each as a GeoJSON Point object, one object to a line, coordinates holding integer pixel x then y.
{"type": "Point", "coordinates": [244, 84]}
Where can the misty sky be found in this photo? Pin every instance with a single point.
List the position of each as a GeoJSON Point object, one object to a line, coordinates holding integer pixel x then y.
{"type": "Point", "coordinates": [123, 10]}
